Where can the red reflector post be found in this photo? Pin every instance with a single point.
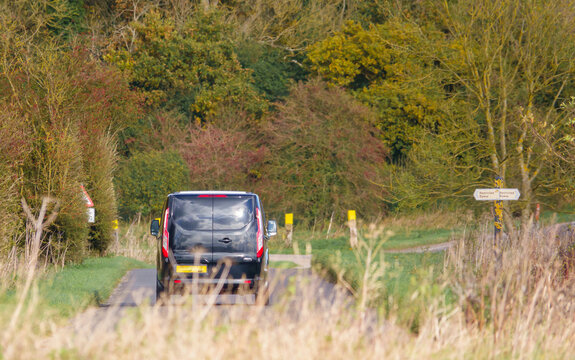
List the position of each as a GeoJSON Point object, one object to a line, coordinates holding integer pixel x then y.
{"type": "Point", "coordinates": [177, 281]}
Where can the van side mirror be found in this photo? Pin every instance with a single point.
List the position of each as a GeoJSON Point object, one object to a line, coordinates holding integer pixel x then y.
{"type": "Point", "coordinates": [272, 228]}
{"type": "Point", "coordinates": [155, 227]}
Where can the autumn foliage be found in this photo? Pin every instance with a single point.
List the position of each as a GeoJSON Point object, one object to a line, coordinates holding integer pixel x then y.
{"type": "Point", "coordinates": [319, 106]}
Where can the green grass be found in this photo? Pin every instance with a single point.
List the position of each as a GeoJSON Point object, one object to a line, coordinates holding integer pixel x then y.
{"type": "Point", "coordinates": [408, 239]}
{"type": "Point", "coordinates": [399, 239]}
{"type": "Point", "coordinates": [75, 287]}
{"type": "Point", "coordinates": [567, 215]}
{"type": "Point", "coordinates": [401, 271]}
{"type": "Point", "coordinates": [404, 273]}
{"type": "Point", "coordinates": [283, 264]}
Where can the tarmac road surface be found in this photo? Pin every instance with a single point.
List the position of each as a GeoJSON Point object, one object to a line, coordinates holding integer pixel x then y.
{"type": "Point", "coordinates": [138, 288]}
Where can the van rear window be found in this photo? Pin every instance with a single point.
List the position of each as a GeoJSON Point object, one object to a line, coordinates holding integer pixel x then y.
{"type": "Point", "coordinates": [232, 213]}
{"type": "Point", "coordinates": [206, 213]}
{"type": "Point", "coordinates": [192, 213]}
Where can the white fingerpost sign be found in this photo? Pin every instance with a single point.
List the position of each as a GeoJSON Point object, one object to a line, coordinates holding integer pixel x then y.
{"type": "Point", "coordinates": [496, 194]}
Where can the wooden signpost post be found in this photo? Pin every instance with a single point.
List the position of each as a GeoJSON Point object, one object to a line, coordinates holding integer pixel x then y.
{"type": "Point", "coordinates": [497, 195]}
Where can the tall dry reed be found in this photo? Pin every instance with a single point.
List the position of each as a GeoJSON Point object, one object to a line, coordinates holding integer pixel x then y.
{"type": "Point", "coordinates": [133, 240]}
{"type": "Point", "coordinates": [517, 293]}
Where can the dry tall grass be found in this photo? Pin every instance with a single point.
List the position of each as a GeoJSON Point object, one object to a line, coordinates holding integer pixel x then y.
{"type": "Point", "coordinates": [516, 302]}
{"type": "Point", "coordinates": [133, 240]}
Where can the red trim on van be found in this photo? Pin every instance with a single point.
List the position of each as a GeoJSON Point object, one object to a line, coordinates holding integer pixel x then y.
{"type": "Point", "coordinates": [212, 196]}
{"type": "Point", "coordinates": [260, 235]}
{"type": "Point", "coordinates": [166, 237]}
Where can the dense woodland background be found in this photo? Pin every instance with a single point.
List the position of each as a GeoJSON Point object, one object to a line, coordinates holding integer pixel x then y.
{"type": "Point", "coordinates": [319, 106]}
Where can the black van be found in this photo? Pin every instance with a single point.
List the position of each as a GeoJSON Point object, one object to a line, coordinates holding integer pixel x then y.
{"type": "Point", "coordinates": [210, 238]}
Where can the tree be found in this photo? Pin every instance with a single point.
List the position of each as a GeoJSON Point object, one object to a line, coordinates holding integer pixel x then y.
{"type": "Point", "coordinates": [512, 62]}
{"type": "Point", "coordinates": [379, 66]}
{"type": "Point", "coordinates": [192, 68]}
{"type": "Point", "coordinates": [291, 25]}
{"type": "Point", "coordinates": [145, 179]}
{"type": "Point", "coordinates": [63, 109]}
{"type": "Point", "coordinates": [325, 157]}
{"type": "Point", "coordinates": [222, 158]}
{"type": "Point", "coordinates": [272, 68]}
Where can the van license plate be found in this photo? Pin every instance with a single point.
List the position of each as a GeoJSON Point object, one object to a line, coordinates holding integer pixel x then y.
{"type": "Point", "coordinates": [191, 268]}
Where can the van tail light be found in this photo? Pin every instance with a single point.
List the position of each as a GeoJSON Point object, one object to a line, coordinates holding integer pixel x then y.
{"type": "Point", "coordinates": [166, 235]}
{"type": "Point", "coordinates": [213, 196]}
{"type": "Point", "coordinates": [260, 235]}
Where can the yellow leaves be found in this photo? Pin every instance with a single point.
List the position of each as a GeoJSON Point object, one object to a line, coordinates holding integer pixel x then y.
{"type": "Point", "coordinates": [155, 28]}
{"type": "Point", "coordinates": [121, 58]}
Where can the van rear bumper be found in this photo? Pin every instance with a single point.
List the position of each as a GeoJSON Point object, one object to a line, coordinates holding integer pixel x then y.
{"type": "Point", "coordinates": [207, 285]}
{"type": "Point", "coordinates": [187, 281]}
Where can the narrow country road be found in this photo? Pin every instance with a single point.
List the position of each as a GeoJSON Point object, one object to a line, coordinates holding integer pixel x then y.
{"type": "Point", "coordinates": [289, 286]}
{"type": "Point", "coordinates": [137, 288]}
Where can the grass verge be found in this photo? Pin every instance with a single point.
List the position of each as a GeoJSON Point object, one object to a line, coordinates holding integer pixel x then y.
{"type": "Point", "coordinates": [283, 264]}
{"type": "Point", "coordinates": [398, 240]}
{"type": "Point", "coordinates": [399, 275]}
{"type": "Point", "coordinates": [75, 287]}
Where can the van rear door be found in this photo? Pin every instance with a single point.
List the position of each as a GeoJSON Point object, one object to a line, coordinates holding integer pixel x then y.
{"type": "Point", "coordinates": [192, 229]}
{"type": "Point", "coordinates": [234, 229]}
{"type": "Point", "coordinates": [216, 229]}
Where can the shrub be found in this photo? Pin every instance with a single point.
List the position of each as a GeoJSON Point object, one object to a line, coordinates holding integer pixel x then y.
{"type": "Point", "coordinates": [14, 146]}
{"type": "Point", "coordinates": [145, 179]}
{"type": "Point", "coordinates": [192, 68]}
{"type": "Point", "coordinates": [325, 156]}
{"type": "Point", "coordinates": [224, 159]}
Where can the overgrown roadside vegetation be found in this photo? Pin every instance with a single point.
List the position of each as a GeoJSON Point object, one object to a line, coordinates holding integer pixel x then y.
{"type": "Point", "coordinates": [520, 295]}
{"type": "Point", "coordinates": [67, 291]}
{"type": "Point", "coordinates": [375, 105]}
{"type": "Point", "coordinates": [333, 255]}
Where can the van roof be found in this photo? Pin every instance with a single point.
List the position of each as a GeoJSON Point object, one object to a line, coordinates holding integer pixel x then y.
{"type": "Point", "coordinates": [225, 192]}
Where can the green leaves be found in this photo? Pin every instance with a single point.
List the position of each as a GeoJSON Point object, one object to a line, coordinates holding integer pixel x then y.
{"type": "Point", "coordinates": [382, 67]}
{"type": "Point", "coordinates": [325, 155]}
{"type": "Point", "coordinates": [145, 179]}
{"type": "Point", "coordinates": [193, 68]}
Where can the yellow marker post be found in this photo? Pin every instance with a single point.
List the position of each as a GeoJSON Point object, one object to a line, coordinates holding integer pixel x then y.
{"type": "Point", "coordinates": [115, 228]}
{"type": "Point", "coordinates": [289, 228]}
{"type": "Point", "coordinates": [352, 222]}
{"type": "Point", "coordinates": [351, 215]}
